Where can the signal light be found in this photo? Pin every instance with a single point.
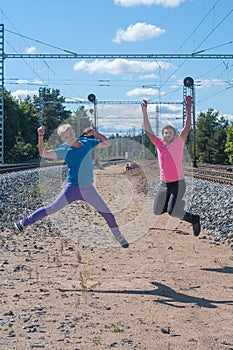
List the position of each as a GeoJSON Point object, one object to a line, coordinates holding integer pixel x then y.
{"type": "Point", "coordinates": [91, 98]}
{"type": "Point", "coordinates": [188, 82]}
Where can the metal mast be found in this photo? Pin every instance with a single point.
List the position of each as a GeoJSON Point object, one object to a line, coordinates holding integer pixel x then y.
{"type": "Point", "coordinates": [157, 120]}
{"type": "Point", "coordinates": [189, 89]}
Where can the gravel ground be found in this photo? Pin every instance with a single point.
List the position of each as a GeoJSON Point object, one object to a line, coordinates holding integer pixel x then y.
{"type": "Point", "coordinates": [19, 197]}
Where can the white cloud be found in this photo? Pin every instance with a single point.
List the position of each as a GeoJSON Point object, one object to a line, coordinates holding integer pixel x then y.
{"type": "Point", "coordinates": [228, 117]}
{"type": "Point", "coordinates": [75, 99]}
{"type": "Point", "coordinates": [21, 94]}
{"type": "Point", "coordinates": [138, 92]}
{"type": "Point", "coordinates": [30, 82]}
{"type": "Point", "coordinates": [165, 3]}
{"type": "Point", "coordinates": [209, 82]}
{"type": "Point", "coordinates": [138, 32]}
{"type": "Point", "coordinates": [30, 50]}
{"type": "Point", "coordinates": [148, 76]}
{"type": "Point", "coordinates": [171, 109]}
{"type": "Point", "coordinates": [22, 81]}
{"type": "Point", "coordinates": [205, 83]}
{"type": "Point", "coordinates": [120, 66]}
{"type": "Point", "coordinates": [37, 82]}
{"type": "Point", "coordinates": [109, 129]}
{"type": "Point", "coordinates": [123, 117]}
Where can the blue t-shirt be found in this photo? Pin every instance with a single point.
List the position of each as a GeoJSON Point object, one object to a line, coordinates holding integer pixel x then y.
{"type": "Point", "coordinates": [78, 160]}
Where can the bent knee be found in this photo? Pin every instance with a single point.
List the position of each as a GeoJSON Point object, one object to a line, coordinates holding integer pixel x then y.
{"type": "Point", "coordinates": [158, 211]}
{"type": "Point", "coordinates": [175, 213]}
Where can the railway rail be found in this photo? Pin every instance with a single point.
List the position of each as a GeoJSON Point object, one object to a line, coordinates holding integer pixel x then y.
{"type": "Point", "coordinates": [216, 173]}
{"type": "Point", "coordinates": [21, 167]}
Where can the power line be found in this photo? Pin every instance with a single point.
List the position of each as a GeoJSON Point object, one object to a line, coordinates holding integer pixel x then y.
{"type": "Point", "coordinates": [213, 30]}
{"type": "Point", "coordinates": [40, 42]}
{"type": "Point", "coordinates": [28, 38]}
{"type": "Point", "coordinates": [15, 50]}
{"type": "Point", "coordinates": [214, 47]}
{"type": "Point", "coordinates": [199, 24]}
{"type": "Point", "coordinates": [27, 64]}
{"type": "Point", "coordinates": [199, 52]}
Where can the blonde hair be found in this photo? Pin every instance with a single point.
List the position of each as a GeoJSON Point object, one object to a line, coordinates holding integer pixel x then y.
{"type": "Point", "coordinates": [63, 128]}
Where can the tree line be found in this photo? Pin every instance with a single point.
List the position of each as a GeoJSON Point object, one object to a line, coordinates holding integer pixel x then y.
{"type": "Point", "coordinates": [213, 133]}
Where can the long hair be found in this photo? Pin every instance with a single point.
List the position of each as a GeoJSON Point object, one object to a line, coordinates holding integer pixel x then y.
{"type": "Point", "coordinates": [169, 127]}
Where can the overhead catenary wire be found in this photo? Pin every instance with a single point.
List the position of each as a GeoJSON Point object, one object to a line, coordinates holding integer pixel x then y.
{"type": "Point", "coordinates": [214, 47]}
{"type": "Point", "coordinates": [208, 35]}
{"type": "Point", "coordinates": [160, 83]}
{"type": "Point", "coordinates": [28, 65]}
{"type": "Point", "coordinates": [198, 26]}
{"type": "Point", "coordinates": [40, 42]}
{"type": "Point", "coordinates": [214, 29]}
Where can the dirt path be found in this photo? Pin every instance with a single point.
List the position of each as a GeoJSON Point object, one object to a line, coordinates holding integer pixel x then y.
{"type": "Point", "coordinates": [169, 290]}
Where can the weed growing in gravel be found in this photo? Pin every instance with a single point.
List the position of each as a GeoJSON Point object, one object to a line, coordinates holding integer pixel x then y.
{"type": "Point", "coordinates": [116, 329]}
{"type": "Point", "coordinates": [84, 277]}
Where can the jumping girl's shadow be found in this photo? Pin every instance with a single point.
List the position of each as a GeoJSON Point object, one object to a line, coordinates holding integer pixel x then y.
{"type": "Point", "coordinates": [172, 297]}
{"type": "Point", "coordinates": [176, 297]}
{"type": "Point", "coordinates": [225, 269]}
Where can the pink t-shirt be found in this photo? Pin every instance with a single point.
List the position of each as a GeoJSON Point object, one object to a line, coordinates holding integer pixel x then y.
{"type": "Point", "coordinates": [170, 159]}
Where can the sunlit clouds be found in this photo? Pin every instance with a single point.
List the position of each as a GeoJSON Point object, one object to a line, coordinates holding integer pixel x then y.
{"type": "Point", "coordinates": [139, 92]}
{"type": "Point", "coordinates": [120, 66]}
{"type": "Point", "coordinates": [31, 50]}
{"type": "Point", "coordinates": [21, 94]}
{"type": "Point", "coordinates": [138, 32]}
{"type": "Point", "coordinates": [165, 3]}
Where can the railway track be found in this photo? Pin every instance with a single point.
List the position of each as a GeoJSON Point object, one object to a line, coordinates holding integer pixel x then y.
{"type": "Point", "coordinates": [20, 167]}
{"type": "Point", "coordinates": [216, 173]}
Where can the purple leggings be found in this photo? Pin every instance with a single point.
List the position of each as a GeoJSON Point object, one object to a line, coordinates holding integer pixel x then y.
{"type": "Point", "coordinates": [71, 193]}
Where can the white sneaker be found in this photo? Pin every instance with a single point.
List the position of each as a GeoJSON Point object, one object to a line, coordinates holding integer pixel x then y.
{"type": "Point", "coordinates": [122, 242]}
{"type": "Point", "coordinates": [19, 226]}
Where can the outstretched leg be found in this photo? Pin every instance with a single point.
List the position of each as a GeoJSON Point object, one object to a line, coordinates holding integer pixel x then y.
{"type": "Point", "coordinates": [69, 194]}
{"type": "Point", "coordinates": [92, 197]}
{"type": "Point", "coordinates": [176, 206]}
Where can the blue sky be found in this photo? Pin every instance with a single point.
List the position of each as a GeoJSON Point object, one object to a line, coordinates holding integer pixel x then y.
{"type": "Point", "coordinates": [122, 26]}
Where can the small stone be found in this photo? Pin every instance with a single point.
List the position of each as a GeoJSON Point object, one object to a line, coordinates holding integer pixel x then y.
{"type": "Point", "coordinates": [166, 330]}
{"type": "Point", "coordinates": [32, 330]}
{"type": "Point", "coordinates": [8, 313]}
{"type": "Point", "coordinates": [126, 341]}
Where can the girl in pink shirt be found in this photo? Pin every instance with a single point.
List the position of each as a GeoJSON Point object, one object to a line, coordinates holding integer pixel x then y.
{"type": "Point", "coordinates": [169, 197]}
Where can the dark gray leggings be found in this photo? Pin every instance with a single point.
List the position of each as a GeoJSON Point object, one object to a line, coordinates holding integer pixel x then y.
{"type": "Point", "coordinates": [168, 199]}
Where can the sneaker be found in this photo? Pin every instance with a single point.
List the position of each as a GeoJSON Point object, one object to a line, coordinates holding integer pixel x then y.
{"type": "Point", "coordinates": [19, 226]}
{"type": "Point", "coordinates": [122, 242]}
{"type": "Point", "coordinates": [196, 225]}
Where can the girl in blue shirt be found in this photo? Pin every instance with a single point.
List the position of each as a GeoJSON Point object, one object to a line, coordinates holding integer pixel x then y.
{"type": "Point", "coordinates": [77, 153]}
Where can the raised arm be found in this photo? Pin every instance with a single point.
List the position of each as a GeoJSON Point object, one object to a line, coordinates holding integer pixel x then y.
{"type": "Point", "coordinates": [185, 131]}
{"type": "Point", "coordinates": [146, 122]}
{"type": "Point", "coordinates": [44, 153]}
{"type": "Point", "coordinates": [104, 142]}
